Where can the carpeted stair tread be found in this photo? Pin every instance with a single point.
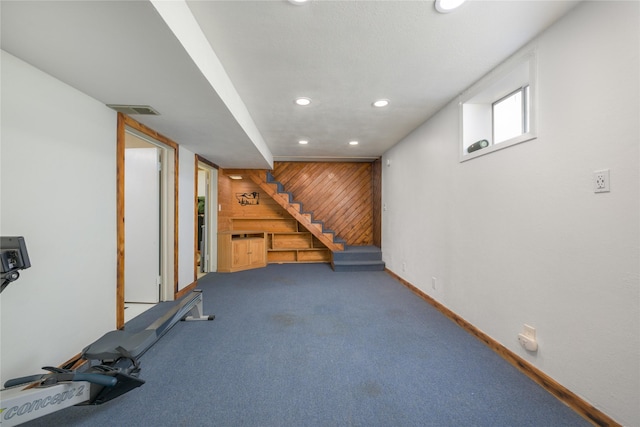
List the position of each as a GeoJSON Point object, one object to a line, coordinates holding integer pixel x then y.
{"type": "Point", "coordinates": [358, 253]}
{"type": "Point", "coordinates": [374, 262]}
{"type": "Point", "coordinates": [358, 258]}
{"type": "Point", "coordinates": [342, 266]}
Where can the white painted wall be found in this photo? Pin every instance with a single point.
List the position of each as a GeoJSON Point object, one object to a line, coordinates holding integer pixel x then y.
{"type": "Point", "coordinates": [186, 226]}
{"type": "Point", "coordinates": [58, 188]}
{"type": "Point", "coordinates": [518, 236]}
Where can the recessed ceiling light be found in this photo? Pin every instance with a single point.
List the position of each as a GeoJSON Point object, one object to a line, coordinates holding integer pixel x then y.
{"type": "Point", "coordinates": [381, 103]}
{"type": "Point", "coordinates": [446, 6]}
{"type": "Point", "coordinates": [303, 142]}
{"type": "Point", "coordinates": [303, 101]}
{"type": "Point", "coordinates": [297, 2]}
{"type": "Point", "coordinates": [353, 142]}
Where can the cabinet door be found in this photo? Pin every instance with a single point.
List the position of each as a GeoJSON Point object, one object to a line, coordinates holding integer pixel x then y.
{"type": "Point", "coordinates": [258, 252]}
{"type": "Point", "coordinates": [241, 256]}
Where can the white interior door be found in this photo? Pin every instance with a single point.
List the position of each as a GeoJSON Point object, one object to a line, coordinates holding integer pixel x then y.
{"type": "Point", "coordinates": [142, 225]}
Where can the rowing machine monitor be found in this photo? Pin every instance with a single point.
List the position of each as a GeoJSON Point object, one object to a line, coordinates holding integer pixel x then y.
{"type": "Point", "coordinates": [13, 258]}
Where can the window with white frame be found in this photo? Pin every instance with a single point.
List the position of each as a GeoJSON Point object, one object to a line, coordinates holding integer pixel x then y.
{"type": "Point", "coordinates": [499, 110]}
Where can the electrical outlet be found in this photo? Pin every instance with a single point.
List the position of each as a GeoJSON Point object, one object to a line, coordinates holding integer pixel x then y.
{"type": "Point", "coordinates": [404, 266]}
{"type": "Point", "coordinates": [527, 338]}
{"type": "Point", "coordinates": [601, 181]}
{"type": "Point", "coordinates": [529, 331]}
{"type": "Point", "coordinates": [433, 282]}
{"type": "Point", "coordinates": [527, 343]}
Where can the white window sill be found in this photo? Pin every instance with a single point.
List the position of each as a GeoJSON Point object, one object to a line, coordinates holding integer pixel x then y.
{"type": "Point", "coordinates": [492, 148]}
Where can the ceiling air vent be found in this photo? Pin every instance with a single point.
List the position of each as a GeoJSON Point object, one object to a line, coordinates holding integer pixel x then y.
{"type": "Point", "coordinates": [134, 109]}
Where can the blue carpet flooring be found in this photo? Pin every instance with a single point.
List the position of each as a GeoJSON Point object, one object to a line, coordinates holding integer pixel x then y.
{"type": "Point", "coordinates": [301, 345]}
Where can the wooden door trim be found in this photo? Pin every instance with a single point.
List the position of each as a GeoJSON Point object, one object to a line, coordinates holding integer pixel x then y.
{"type": "Point", "coordinates": [198, 160]}
{"type": "Point", "coordinates": [125, 121]}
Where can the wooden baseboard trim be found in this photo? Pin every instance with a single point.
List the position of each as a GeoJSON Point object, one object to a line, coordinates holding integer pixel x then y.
{"type": "Point", "coordinates": [182, 292]}
{"type": "Point", "coordinates": [565, 395]}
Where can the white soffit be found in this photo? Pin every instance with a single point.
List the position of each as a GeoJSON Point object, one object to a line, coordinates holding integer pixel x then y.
{"type": "Point", "coordinates": [179, 19]}
{"type": "Point", "coordinates": [122, 52]}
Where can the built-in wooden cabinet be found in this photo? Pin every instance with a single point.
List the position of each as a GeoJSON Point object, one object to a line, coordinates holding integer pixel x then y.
{"type": "Point", "coordinates": [243, 205]}
{"type": "Point", "coordinates": [286, 240]}
{"type": "Point", "coordinates": [241, 250]}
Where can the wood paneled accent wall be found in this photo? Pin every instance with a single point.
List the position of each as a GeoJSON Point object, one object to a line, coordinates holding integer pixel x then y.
{"type": "Point", "coordinates": [224, 201]}
{"type": "Point", "coordinates": [376, 184]}
{"type": "Point", "coordinates": [230, 207]}
{"type": "Point", "coordinates": [340, 194]}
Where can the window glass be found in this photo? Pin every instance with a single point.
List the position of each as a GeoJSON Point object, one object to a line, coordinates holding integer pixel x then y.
{"type": "Point", "coordinates": [509, 117]}
{"type": "Point", "coordinates": [499, 111]}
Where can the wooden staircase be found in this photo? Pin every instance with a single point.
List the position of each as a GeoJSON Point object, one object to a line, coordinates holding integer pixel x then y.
{"type": "Point", "coordinates": [344, 258]}
{"type": "Point", "coordinates": [276, 191]}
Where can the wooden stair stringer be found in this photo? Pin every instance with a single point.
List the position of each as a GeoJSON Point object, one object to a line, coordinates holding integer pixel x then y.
{"type": "Point", "coordinates": [293, 208]}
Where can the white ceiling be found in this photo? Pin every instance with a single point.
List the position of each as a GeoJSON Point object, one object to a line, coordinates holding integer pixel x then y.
{"type": "Point", "coordinates": [231, 99]}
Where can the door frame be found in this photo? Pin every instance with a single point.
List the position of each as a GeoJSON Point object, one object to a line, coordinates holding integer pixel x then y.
{"type": "Point", "coordinates": [211, 213]}
{"type": "Point", "coordinates": [169, 212]}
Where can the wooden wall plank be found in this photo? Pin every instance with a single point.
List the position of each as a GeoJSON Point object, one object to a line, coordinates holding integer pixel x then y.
{"type": "Point", "coordinates": [120, 152]}
{"type": "Point", "coordinates": [265, 206]}
{"type": "Point", "coordinates": [341, 194]}
{"type": "Point", "coordinates": [376, 199]}
{"type": "Point", "coordinates": [224, 200]}
{"type": "Point", "coordinates": [229, 192]}
{"type": "Point", "coordinates": [338, 193]}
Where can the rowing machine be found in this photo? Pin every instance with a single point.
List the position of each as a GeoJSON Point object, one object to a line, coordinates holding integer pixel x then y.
{"type": "Point", "coordinates": [109, 367]}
